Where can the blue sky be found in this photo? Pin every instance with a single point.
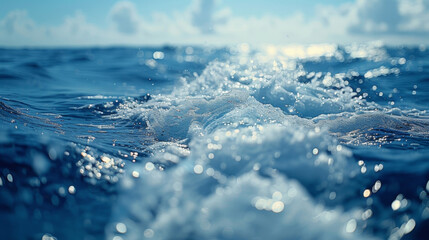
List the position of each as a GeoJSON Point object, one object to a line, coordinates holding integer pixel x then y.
{"type": "Point", "coordinates": [54, 11]}
{"type": "Point", "coordinates": [218, 22]}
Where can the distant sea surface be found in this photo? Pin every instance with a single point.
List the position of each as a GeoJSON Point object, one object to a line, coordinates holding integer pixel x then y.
{"type": "Point", "coordinates": [293, 142]}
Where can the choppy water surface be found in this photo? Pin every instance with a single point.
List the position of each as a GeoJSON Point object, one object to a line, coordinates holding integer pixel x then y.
{"type": "Point", "coordinates": [298, 142]}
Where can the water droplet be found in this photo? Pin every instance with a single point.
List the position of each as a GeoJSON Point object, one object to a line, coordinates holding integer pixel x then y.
{"type": "Point", "coordinates": [351, 226]}
{"type": "Point", "coordinates": [278, 207]}
{"type": "Point", "coordinates": [9, 177]}
{"type": "Point", "coordinates": [315, 151]}
{"type": "Point", "coordinates": [396, 205]}
{"type": "Point", "coordinates": [149, 166]}
{"type": "Point", "coordinates": [121, 228]}
{"type": "Point", "coordinates": [158, 55]}
{"type": "Point", "coordinates": [402, 61]}
{"type": "Point", "coordinates": [198, 169]}
{"type": "Point", "coordinates": [366, 193]}
{"type": "Point", "coordinates": [48, 236]}
{"type": "Point", "coordinates": [72, 190]}
{"type": "Point", "coordinates": [409, 226]}
{"type": "Point", "coordinates": [148, 233]}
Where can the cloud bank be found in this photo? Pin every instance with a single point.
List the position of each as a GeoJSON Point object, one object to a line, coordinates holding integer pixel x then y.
{"type": "Point", "coordinates": [206, 22]}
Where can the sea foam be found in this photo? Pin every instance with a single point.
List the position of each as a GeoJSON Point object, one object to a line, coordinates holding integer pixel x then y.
{"type": "Point", "coordinates": [238, 156]}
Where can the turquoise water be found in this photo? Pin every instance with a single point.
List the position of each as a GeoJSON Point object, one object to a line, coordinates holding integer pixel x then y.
{"type": "Point", "coordinates": [303, 142]}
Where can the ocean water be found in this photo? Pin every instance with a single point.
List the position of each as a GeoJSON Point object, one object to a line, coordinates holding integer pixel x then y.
{"type": "Point", "coordinates": [294, 142]}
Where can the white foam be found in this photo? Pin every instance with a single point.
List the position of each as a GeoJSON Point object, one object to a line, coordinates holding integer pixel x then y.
{"type": "Point", "coordinates": [275, 84]}
{"type": "Point", "coordinates": [180, 204]}
{"type": "Point", "coordinates": [246, 151]}
{"type": "Point", "coordinates": [222, 146]}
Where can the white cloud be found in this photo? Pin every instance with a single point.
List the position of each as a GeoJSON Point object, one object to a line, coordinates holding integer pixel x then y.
{"type": "Point", "coordinates": [376, 16]}
{"type": "Point", "coordinates": [18, 29]}
{"type": "Point", "coordinates": [205, 16]}
{"type": "Point", "coordinates": [204, 22]}
{"type": "Point", "coordinates": [202, 16]}
{"type": "Point", "coordinates": [17, 22]}
{"type": "Point", "coordinates": [394, 17]}
{"type": "Point", "coordinates": [76, 26]}
{"type": "Point", "coordinates": [125, 17]}
{"type": "Point", "coordinates": [415, 14]}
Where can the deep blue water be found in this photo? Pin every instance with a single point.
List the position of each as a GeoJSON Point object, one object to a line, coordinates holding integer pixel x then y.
{"type": "Point", "coordinates": [303, 142]}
